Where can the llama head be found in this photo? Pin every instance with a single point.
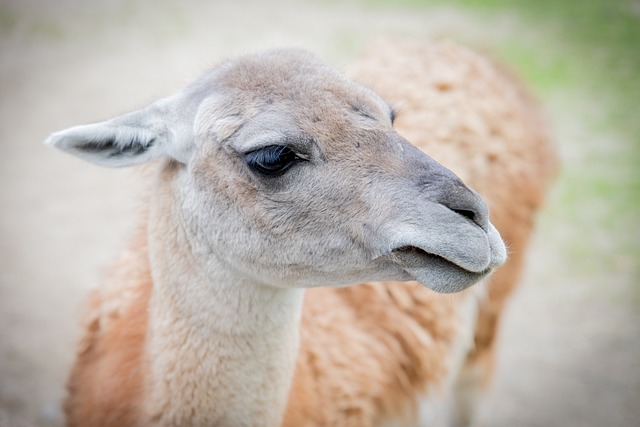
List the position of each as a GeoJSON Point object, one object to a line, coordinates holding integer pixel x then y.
{"type": "Point", "coordinates": [285, 170]}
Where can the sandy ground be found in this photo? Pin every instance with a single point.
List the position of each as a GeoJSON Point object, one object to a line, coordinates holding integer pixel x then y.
{"type": "Point", "coordinates": [570, 352]}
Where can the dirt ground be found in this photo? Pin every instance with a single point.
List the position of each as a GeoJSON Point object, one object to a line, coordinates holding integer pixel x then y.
{"type": "Point", "coordinates": [570, 349]}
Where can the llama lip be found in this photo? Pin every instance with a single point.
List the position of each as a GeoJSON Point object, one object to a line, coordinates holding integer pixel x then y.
{"type": "Point", "coordinates": [415, 257]}
{"type": "Point", "coordinates": [434, 271]}
{"type": "Point", "coordinates": [412, 256]}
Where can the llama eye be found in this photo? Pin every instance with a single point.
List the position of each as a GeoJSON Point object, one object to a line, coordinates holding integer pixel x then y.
{"type": "Point", "coordinates": [273, 160]}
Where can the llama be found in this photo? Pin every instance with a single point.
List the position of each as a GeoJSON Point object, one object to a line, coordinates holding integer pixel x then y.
{"type": "Point", "coordinates": [275, 181]}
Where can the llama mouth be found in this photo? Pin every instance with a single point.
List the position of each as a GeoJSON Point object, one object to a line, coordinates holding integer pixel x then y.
{"type": "Point", "coordinates": [415, 257]}
{"type": "Point", "coordinates": [435, 271]}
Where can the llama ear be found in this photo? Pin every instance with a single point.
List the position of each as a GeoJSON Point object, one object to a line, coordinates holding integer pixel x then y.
{"type": "Point", "coordinates": [128, 140]}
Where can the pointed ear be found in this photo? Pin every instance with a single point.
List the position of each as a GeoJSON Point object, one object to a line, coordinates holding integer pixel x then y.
{"type": "Point", "coordinates": [128, 140]}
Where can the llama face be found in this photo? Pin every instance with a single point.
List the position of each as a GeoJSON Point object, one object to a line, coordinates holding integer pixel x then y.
{"type": "Point", "coordinates": [290, 173]}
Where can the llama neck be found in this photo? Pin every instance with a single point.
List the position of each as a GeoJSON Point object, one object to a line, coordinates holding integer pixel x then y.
{"type": "Point", "coordinates": [221, 349]}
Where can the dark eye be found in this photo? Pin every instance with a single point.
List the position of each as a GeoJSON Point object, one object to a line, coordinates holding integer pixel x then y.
{"type": "Point", "coordinates": [273, 160]}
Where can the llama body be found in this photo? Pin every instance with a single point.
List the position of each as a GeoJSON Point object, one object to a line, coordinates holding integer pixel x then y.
{"type": "Point", "coordinates": [206, 319]}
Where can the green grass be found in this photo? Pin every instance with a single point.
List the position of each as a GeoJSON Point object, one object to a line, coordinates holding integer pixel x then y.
{"type": "Point", "coordinates": [8, 20]}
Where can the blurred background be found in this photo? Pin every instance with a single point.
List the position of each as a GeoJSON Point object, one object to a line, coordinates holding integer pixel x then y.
{"type": "Point", "coordinates": [570, 342]}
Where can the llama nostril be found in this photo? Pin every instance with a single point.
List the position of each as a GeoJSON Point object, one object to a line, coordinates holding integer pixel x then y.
{"type": "Point", "coordinates": [442, 186]}
{"type": "Point", "coordinates": [467, 203]}
{"type": "Point", "coordinates": [466, 213]}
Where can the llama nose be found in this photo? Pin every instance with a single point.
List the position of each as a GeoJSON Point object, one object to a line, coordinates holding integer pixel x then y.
{"type": "Point", "coordinates": [465, 202]}
{"type": "Point", "coordinates": [441, 185]}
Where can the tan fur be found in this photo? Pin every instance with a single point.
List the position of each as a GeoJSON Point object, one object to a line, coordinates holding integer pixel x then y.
{"type": "Point", "coordinates": [367, 352]}
{"type": "Point", "coordinates": [105, 386]}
